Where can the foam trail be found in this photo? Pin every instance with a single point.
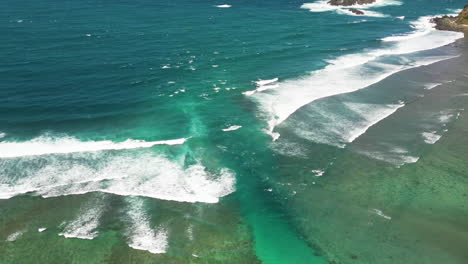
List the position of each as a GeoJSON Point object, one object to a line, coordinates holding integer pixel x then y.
{"type": "Point", "coordinates": [430, 86]}
{"type": "Point", "coordinates": [265, 82]}
{"type": "Point", "coordinates": [130, 174]}
{"type": "Point", "coordinates": [380, 213]}
{"type": "Point", "coordinates": [61, 145]}
{"type": "Point", "coordinates": [142, 236]}
{"type": "Point", "coordinates": [14, 236]}
{"type": "Point", "coordinates": [263, 85]}
{"type": "Point", "coordinates": [338, 129]}
{"type": "Point", "coordinates": [430, 137]}
{"type": "Point", "coordinates": [84, 226]}
{"type": "Point", "coordinates": [367, 13]}
{"type": "Point", "coordinates": [223, 6]}
{"type": "Point", "coordinates": [350, 73]}
{"type": "Point", "coordinates": [232, 128]}
{"type": "Point", "coordinates": [371, 117]}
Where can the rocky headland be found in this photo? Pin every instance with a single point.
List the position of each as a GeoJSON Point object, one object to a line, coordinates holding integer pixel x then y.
{"type": "Point", "coordinates": [453, 23]}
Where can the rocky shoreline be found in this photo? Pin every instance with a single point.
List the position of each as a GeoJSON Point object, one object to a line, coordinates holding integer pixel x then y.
{"type": "Point", "coordinates": [453, 23]}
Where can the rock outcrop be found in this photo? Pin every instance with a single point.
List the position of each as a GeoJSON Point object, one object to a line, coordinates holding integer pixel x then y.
{"type": "Point", "coordinates": [350, 2]}
{"type": "Point", "coordinates": [356, 11]}
{"type": "Point", "coordinates": [453, 23]}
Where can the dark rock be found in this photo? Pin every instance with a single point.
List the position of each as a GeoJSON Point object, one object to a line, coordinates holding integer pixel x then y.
{"type": "Point", "coordinates": [356, 11]}
{"type": "Point", "coordinates": [350, 2]}
{"type": "Point", "coordinates": [453, 23]}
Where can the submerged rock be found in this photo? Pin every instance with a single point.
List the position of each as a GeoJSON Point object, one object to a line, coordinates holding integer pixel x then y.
{"type": "Point", "coordinates": [453, 23]}
{"type": "Point", "coordinates": [350, 2]}
{"type": "Point", "coordinates": [356, 11]}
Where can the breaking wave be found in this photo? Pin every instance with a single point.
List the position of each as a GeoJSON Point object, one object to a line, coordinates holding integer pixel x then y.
{"type": "Point", "coordinates": [352, 72]}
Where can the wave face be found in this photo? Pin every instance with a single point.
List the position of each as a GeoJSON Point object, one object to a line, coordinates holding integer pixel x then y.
{"type": "Point", "coordinates": [127, 172]}
{"type": "Point", "coordinates": [353, 72]}
{"type": "Point", "coordinates": [62, 145]}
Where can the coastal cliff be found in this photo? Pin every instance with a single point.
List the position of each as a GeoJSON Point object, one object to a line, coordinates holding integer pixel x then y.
{"type": "Point", "coordinates": [453, 23]}
{"type": "Point", "coordinates": [350, 2]}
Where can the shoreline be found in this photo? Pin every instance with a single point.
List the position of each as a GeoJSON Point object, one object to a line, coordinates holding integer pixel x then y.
{"type": "Point", "coordinates": [379, 189]}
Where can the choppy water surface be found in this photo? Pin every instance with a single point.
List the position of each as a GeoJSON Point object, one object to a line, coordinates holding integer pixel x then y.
{"type": "Point", "coordinates": [231, 132]}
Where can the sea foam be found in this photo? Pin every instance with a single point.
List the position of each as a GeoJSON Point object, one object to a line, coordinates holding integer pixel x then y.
{"type": "Point", "coordinates": [352, 72]}
{"type": "Point", "coordinates": [430, 137]}
{"type": "Point", "coordinates": [324, 6]}
{"type": "Point", "coordinates": [232, 128]}
{"type": "Point", "coordinates": [126, 174]}
{"type": "Point", "coordinates": [61, 145]}
{"type": "Point", "coordinates": [85, 224]}
{"type": "Point", "coordinates": [142, 235]}
{"type": "Point", "coordinates": [337, 128]}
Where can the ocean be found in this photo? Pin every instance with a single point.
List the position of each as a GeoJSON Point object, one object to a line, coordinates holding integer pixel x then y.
{"type": "Point", "coordinates": [275, 132]}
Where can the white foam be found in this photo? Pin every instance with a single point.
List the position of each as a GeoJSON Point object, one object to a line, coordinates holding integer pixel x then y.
{"type": "Point", "coordinates": [263, 85]}
{"type": "Point", "coordinates": [446, 116]}
{"type": "Point", "coordinates": [265, 82]}
{"type": "Point", "coordinates": [41, 229]}
{"type": "Point", "coordinates": [380, 213]}
{"type": "Point", "coordinates": [430, 86]}
{"type": "Point", "coordinates": [352, 72]}
{"type": "Point", "coordinates": [342, 127]}
{"type": "Point", "coordinates": [400, 17]}
{"type": "Point", "coordinates": [396, 156]}
{"type": "Point", "coordinates": [130, 174]}
{"type": "Point", "coordinates": [142, 235]}
{"type": "Point", "coordinates": [61, 145]}
{"type": "Point", "coordinates": [324, 6]}
{"type": "Point", "coordinates": [318, 173]}
{"type": "Point", "coordinates": [422, 26]}
{"type": "Point", "coordinates": [2, 135]}
{"type": "Point", "coordinates": [14, 236]}
{"type": "Point", "coordinates": [372, 115]}
{"type": "Point", "coordinates": [261, 89]}
{"type": "Point", "coordinates": [223, 6]}
{"type": "Point", "coordinates": [431, 137]}
{"type": "Point", "coordinates": [287, 148]}
{"type": "Point", "coordinates": [190, 232]}
{"type": "Point", "coordinates": [357, 22]}
{"type": "Point", "coordinates": [231, 128]}
{"type": "Point", "coordinates": [84, 226]}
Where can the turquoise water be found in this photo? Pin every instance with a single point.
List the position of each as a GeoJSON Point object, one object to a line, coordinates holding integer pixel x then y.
{"type": "Point", "coordinates": [141, 132]}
